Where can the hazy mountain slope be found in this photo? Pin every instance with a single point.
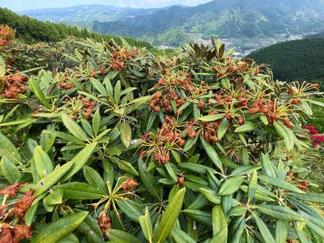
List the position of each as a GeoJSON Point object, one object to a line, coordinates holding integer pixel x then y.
{"type": "Point", "coordinates": [227, 19]}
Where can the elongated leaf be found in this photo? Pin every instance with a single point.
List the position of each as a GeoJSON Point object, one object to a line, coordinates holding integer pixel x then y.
{"type": "Point", "coordinates": [38, 92]}
{"type": "Point", "coordinates": [247, 127]}
{"type": "Point", "coordinates": [96, 122]}
{"type": "Point", "coordinates": [211, 118]}
{"type": "Point", "coordinates": [219, 222]}
{"type": "Point", "coordinates": [43, 163]}
{"type": "Point", "coordinates": [286, 134]}
{"type": "Point", "coordinates": [279, 212]}
{"type": "Point", "coordinates": [222, 128]}
{"type": "Point", "coordinates": [2, 67]}
{"type": "Point", "coordinates": [148, 180]}
{"type": "Point", "coordinates": [74, 128]}
{"type": "Point", "coordinates": [7, 149]}
{"type": "Point", "coordinates": [200, 216]}
{"type": "Point", "coordinates": [280, 183]}
{"type": "Point", "coordinates": [59, 229]}
{"type": "Point", "coordinates": [231, 185]}
{"type": "Point", "coordinates": [211, 152]}
{"type": "Point", "coordinates": [99, 87]}
{"type": "Point", "coordinates": [80, 160]}
{"type": "Point", "coordinates": [94, 179]}
{"type": "Point", "coordinates": [130, 208]}
{"type": "Point", "coordinates": [267, 166]}
{"type": "Point", "coordinates": [121, 236]}
{"type": "Point", "coordinates": [253, 185]}
{"type": "Point", "coordinates": [79, 191]}
{"type": "Point", "coordinates": [9, 170]}
{"type": "Point", "coordinates": [146, 225]}
{"type": "Point", "coordinates": [211, 195]}
{"type": "Point", "coordinates": [125, 133]}
{"type": "Point", "coordinates": [170, 216]}
{"type": "Point", "coordinates": [309, 196]}
{"type": "Point", "coordinates": [281, 231]}
{"type": "Point", "coordinates": [265, 232]}
{"type": "Point", "coordinates": [51, 179]}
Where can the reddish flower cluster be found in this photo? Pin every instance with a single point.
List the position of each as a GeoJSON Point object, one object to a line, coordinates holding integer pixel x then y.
{"type": "Point", "coordinates": [129, 185]}
{"type": "Point", "coordinates": [14, 85]}
{"type": "Point", "coordinates": [210, 132]}
{"type": "Point", "coordinates": [303, 185]}
{"type": "Point", "coordinates": [191, 129]}
{"type": "Point", "coordinates": [104, 221]}
{"type": "Point", "coordinates": [67, 85]}
{"type": "Point", "coordinates": [89, 106]}
{"type": "Point", "coordinates": [270, 109]}
{"type": "Point", "coordinates": [14, 234]}
{"type": "Point", "coordinates": [316, 138]}
{"type": "Point", "coordinates": [6, 35]}
{"type": "Point", "coordinates": [181, 180]}
{"type": "Point", "coordinates": [20, 207]}
{"type": "Point", "coordinates": [119, 57]}
{"type": "Point", "coordinates": [163, 141]}
{"type": "Point", "coordinates": [160, 101]}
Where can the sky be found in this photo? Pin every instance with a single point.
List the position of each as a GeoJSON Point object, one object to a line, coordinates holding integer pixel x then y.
{"type": "Point", "coordinates": [20, 5]}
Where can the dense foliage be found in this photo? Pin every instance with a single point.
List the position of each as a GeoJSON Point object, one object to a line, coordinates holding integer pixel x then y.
{"type": "Point", "coordinates": [132, 147]}
{"type": "Point", "coordinates": [294, 60]}
{"type": "Point", "coordinates": [32, 30]}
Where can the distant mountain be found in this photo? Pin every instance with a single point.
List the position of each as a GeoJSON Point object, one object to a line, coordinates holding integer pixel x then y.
{"type": "Point", "coordinates": [86, 14]}
{"type": "Point", "coordinates": [245, 24]}
{"type": "Point", "coordinates": [294, 60]}
{"type": "Point", "coordinates": [224, 18]}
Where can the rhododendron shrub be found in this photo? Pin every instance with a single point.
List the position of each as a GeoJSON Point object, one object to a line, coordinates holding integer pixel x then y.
{"type": "Point", "coordinates": [132, 147]}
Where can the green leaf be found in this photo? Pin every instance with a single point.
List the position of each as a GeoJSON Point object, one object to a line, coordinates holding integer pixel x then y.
{"type": "Point", "coordinates": [39, 93]}
{"type": "Point", "coordinates": [279, 212]}
{"type": "Point", "coordinates": [170, 216]}
{"type": "Point", "coordinates": [280, 183]}
{"type": "Point", "coordinates": [127, 167]}
{"type": "Point", "coordinates": [198, 168]}
{"type": "Point", "coordinates": [286, 134]}
{"type": "Point", "coordinates": [253, 185]}
{"type": "Point", "coordinates": [210, 195]}
{"type": "Point", "coordinates": [211, 152]}
{"type": "Point", "coordinates": [59, 229]}
{"type": "Point", "coordinates": [309, 196]}
{"type": "Point", "coordinates": [219, 222]}
{"type": "Point", "coordinates": [148, 180]}
{"type": "Point", "coordinates": [74, 128]}
{"type": "Point", "coordinates": [281, 231]}
{"type": "Point", "coordinates": [130, 208]}
{"type": "Point", "coordinates": [231, 185]}
{"type": "Point", "coordinates": [125, 133]}
{"type": "Point", "coordinates": [89, 228]}
{"type": "Point", "coordinates": [247, 127]}
{"type": "Point", "coordinates": [267, 166]}
{"type": "Point", "coordinates": [96, 122]}
{"type": "Point", "coordinates": [211, 118]}
{"type": "Point", "coordinates": [80, 160]}
{"type": "Point", "coordinates": [2, 67]}
{"type": "Point", "coordinates": [9, 170]}
{"type": "Point", "coordinates": [117, 92]}
{"type": "Point", "coordinates": [7, 149]}
{"type": "Point", "coordinates": [80, 191]}
{"type": "Point", "coordinates": [51, 179]}
{"type": "Point", "coordinates": [200, 216]}
{"type": "Point", "coordinates": [99, 87]}
{"type": "Point", "coordinates": [265, 232]}
{"type": "Point", "coordinates": [222, 128]}
{"type": "Point", "coordinates": [43, 163]}
{"type": "Point", "coordinates": [121, 237]}
{"type": "Point", "coordinates": [94, 179]}
{"type": "Point", "coordinates": [146, 225]}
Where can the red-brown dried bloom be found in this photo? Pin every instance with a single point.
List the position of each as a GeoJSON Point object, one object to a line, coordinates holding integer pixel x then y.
{"type": "Point", "coordinates": [11, 190]}
{"type": "Point", "coordinates": [21, 206]}
{"type": "Point", "coordinates": [129, 185]}
{"type": "Point", "coordinates": [21, 232]}
{"type": "Point", "coordinates": [104, 221]}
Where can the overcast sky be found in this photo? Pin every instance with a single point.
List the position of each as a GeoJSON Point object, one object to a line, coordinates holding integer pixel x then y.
{"type": "Point", "coordinates": [19, 5]}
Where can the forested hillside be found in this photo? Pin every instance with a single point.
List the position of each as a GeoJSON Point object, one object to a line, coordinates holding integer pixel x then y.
{"type": "Point", "coordinates": [294, 60]}
{"type": "Point", "coordinates": [31, 30]}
